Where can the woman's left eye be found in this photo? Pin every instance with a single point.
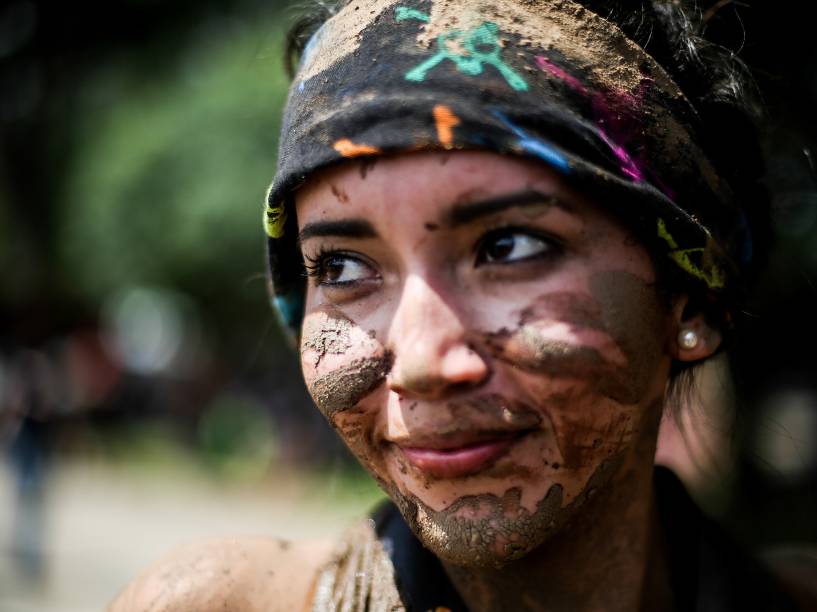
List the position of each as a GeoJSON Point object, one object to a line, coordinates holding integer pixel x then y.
{"type": "Point", "coordinates": [508, 246]}
{"type": "Point", "coordinates": [338, 269]}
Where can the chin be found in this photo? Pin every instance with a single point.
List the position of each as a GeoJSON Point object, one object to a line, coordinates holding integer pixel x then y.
{"type": "Point", "coordinates": [489, 531]}
{"type": "Point", "coordinates": [483, 530]}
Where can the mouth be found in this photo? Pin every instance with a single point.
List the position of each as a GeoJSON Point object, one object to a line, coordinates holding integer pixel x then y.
{"type": "Point", "coordinates": [455, 458]}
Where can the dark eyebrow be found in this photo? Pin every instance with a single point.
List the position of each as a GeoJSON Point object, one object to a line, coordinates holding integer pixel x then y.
{"type": "Point", "coordinates": [348, 228]}
{"type": "Point", "coordinates": [461, 214]}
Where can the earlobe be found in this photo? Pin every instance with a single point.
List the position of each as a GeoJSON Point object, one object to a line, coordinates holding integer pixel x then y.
{"type": "Point", "coordinates": [695, 338]}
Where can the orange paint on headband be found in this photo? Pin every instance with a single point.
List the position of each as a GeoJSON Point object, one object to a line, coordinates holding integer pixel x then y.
{"type": "Point", "coordinates": [347, 148]}
{"type": "Point", "coordinates": [445, 119]}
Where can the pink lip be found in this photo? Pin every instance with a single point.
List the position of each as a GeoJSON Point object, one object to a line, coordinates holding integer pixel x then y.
{"type": "Point", "coordinates": [460, 461]}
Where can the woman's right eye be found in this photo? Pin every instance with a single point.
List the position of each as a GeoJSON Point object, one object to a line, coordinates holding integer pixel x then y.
{"type": "Point", "coordinates": [337, 269]}
{"type": "Point", "coordinates": [508, 245]}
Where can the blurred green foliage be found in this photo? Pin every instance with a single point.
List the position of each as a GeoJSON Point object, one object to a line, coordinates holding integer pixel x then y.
{"type": "Point", "coordinates": [237, 437]}
{"type": "Point", "coordinates": [168, 173]}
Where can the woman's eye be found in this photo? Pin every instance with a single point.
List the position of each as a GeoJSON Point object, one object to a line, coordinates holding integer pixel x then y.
{"type": "Point", "coordinates": [509, 246]}
{"type": "Point", "coordinates": [339, 269]}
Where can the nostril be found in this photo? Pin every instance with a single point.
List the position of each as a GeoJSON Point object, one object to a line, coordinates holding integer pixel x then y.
{"type": "Point", "coordinates": [428, 388]}
{"type": "Point", "coordinates": [458, 369]}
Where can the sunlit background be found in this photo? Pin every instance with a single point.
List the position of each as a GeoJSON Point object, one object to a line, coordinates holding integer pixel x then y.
{"type": "Point", "coordinates": [146, 396]}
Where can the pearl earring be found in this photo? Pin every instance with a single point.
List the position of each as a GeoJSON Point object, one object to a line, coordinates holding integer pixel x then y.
{"type": "Point", "coordinates": [688, 339]}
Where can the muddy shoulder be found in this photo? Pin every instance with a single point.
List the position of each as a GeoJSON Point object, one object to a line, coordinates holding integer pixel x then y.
{"type": "Point", "coordinates": [246, 573]}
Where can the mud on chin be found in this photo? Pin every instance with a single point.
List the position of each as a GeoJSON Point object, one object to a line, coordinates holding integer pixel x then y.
{"type": "Point", "coordinates": [490, 531]}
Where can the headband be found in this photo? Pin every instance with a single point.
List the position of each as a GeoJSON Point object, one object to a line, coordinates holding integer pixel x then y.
{"type": "Point", "coordinates": [542, 79]}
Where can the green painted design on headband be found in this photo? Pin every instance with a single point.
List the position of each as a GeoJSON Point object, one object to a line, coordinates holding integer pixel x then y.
{"type": "Point", "coordinates": [401, 13]}
{"type": "Point", "coordinates": [472, 58]}
{"type": "Point", "coordinates": [712, 275]}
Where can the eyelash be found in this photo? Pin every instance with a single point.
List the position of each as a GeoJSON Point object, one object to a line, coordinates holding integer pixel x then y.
{"type": "Point", "coordinates": [313, 263]}
{"type": "Point", "coordinates": [314, 266]}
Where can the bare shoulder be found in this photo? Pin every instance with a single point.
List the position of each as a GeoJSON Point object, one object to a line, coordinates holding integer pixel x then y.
{"type": "Point", "coordinates": [244, 574]}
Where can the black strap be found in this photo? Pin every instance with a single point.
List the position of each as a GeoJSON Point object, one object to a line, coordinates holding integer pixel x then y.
{"type": "Point", "coordinates": [421, 579]}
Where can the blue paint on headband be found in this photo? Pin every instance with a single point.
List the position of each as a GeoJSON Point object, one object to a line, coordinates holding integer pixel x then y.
{"type": "Point", "coordinates": [536, 146]}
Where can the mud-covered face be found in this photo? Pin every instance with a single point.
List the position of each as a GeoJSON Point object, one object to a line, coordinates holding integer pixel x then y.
{"type": "Point", "coordinates": [488, 342]}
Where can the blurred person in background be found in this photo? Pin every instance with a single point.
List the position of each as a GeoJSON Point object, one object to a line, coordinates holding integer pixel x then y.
{"type": "Point", "coordinates": [31, 395]}
{"type": "Point", "coordinates": [504, 234]}
{"type": "Point", "coordinates": [39, 389]}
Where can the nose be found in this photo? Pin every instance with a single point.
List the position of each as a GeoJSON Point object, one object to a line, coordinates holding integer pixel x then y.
{"type": "Point", "coordinates": [432, 355]}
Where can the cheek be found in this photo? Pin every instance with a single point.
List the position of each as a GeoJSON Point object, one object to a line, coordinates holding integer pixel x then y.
{"type": "Point", "coordinates": [341, 362]}
{"type": "Point", "coordinates": [584, 431]}
{"type": "Point", "coordinates": [638, 320]}
{"type": "Point", "coordinates": [610, 336]}
{"type": "Point", "coordinates": [592, 360]}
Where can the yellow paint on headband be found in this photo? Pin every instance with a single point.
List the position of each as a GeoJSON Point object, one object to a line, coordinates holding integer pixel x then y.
{"type": "Point", "coordinates": [274, 219]}
{"type": "Point", "coordinates": [712, 275]}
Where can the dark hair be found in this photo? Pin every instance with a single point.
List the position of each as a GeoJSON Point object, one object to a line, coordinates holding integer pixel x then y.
{"type": "Point", "coordinates": [723, 92]}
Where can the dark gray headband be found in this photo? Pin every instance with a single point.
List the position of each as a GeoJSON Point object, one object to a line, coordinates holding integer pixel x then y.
{"type": "Point", "coordinates": [543, 79]}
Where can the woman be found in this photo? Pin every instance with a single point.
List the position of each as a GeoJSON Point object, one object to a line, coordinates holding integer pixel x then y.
{"type": "Point", "coordinates": [501, 231]}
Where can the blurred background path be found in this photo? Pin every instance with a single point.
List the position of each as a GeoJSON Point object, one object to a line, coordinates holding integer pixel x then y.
{"type": "Point", "coordinates": [104, 524]}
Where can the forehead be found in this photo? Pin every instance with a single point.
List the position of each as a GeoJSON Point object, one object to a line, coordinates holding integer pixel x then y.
{"type": "Point", "coordinates": [423, 183]}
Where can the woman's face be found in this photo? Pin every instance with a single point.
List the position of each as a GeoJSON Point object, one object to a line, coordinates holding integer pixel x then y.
{"type": "Point", "coordinates": [488, 342]}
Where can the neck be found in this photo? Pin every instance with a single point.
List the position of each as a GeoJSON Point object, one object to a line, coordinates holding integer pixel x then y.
{"type": "Point", "coordinates": [609, 558]}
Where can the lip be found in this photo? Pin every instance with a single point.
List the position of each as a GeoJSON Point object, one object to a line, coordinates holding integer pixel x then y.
{"type": "Point", "coordinates": [453, 459]}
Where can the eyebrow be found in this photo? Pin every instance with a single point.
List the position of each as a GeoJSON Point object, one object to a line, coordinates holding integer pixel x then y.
{"type": "Point", "coordinates": [462, 214]}
{"type": "Point", "coordinates": [347, 228]}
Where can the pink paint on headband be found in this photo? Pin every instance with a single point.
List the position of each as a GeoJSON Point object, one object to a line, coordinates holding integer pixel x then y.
{"type": "Point", "coordinates": [602, 114]}
{"type": "Point", "coordinates": [548, 66]}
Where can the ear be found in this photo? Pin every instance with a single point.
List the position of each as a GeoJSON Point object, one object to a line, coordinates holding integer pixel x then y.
{"type": "Point", "coordinates": [687, 318]}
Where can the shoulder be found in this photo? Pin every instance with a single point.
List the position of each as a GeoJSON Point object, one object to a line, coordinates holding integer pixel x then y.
{"type": "Point", "coordinates": [245, 574]}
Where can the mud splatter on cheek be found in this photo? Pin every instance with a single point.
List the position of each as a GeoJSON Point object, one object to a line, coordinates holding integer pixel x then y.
{"type": "Point", "coordinates": [588, 430]}
{"type": "Point", "coordinates": [343, 388]}
{"type": "Point", "coordinates": [636, 318]}
{"type": "Point", "coordinates": [623, 310]}
{"type": "Point", "coordinates": [357, 430]}
{"type": "Point", "coordinates": [325, 333]}
{"type": "Point", "coordinates": [342, 363]}
{"type": "Point", "coordinates": [529, 349]}
{"type": "Point", "coordinates": [593, 367]}
{"type": "Point", "coordinates": [577, 310]}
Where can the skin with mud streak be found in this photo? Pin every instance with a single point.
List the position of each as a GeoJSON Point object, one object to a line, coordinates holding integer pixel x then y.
{"type": "Point", "coordinates": [502, 522]}
{"type": "Point", "coordinates": [329, 333]}
{"type": "Point", "coordinates": [344, 388]}
{"type": "Point", "coordinates": [613, 311]}
{"type": "Point", "coordinates": [437, 336]}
